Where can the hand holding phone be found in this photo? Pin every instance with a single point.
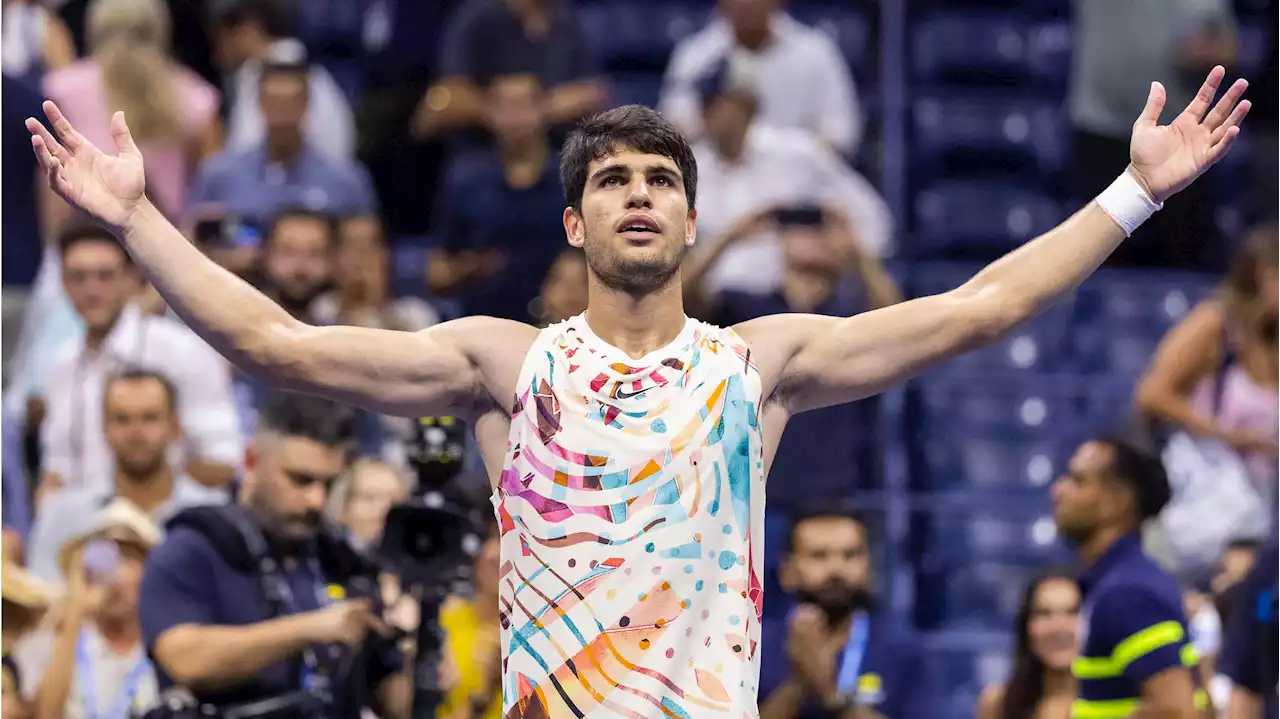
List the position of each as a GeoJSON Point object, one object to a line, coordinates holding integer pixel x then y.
{"type": "Point", "coordinates": [101, 560]}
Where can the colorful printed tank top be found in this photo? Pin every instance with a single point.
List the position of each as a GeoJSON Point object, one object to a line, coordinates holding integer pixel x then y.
{"type": "Point", "coordinates": [632, 512]}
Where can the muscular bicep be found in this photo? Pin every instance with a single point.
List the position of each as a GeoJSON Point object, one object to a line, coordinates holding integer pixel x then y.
{"type": "Point", "coordinates": [445, 369]}
{"type": "Point", "coordinates": [811, 361]}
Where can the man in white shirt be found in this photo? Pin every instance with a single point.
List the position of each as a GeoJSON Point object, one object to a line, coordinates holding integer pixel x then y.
{"type": "Point", "coordinates": [749, 168]}
{"type": "Point", "coordinates": [140, 426]}
{"type": "Point", "coordinates": [100, 280]}
{"type": "Point", "coordinates": [801, 79]}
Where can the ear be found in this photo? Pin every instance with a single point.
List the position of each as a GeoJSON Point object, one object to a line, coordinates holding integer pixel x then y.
{"type": "Point", "coordinates": [574, 228]}
{"type": "Point", "coordinates": [691, 228]}
{"type": "Point", "coordinates": [787, 578]}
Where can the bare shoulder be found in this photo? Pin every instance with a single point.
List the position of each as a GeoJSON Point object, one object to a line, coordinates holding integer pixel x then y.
{"type": "Point", "coordinates": [990, 701]}
{"type": "Point", "coordinates": [495, 347]}
{"type": "Point", "coordinates": [775, 339]}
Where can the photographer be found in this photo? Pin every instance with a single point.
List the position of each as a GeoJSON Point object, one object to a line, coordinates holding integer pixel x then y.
{"type": "Point", "coordinates": [304, 645]}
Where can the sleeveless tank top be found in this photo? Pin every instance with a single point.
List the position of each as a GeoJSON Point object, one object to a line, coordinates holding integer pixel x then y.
{"type": "Point", "coordinates": [631, 506]}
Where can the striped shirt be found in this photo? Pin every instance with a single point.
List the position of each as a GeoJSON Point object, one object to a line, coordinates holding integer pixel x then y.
{"type": "Point", "coordinates": [1134, 628]}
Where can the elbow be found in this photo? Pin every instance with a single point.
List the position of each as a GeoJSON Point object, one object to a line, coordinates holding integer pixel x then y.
{"type": "Point", "coordinates": [181, 659]}
{"type": "Point", "coordinates": [276, 353]}
{"type": "Point", "coordinates": [989, 317]}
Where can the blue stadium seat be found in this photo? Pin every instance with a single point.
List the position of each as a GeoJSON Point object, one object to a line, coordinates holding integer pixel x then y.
{"type": "Point", "coordinates": [1039, 345]}
{"type": "Point", "coordinates": [971, 594]}
{"type": "Point", "coordinates": [635, 89]}
{"type": "Point", "coordinates": [956, 216]}
{"type": "Point", "coordinates": [1049, 53]}
{"type": "Point", "coordinates": [966, 533]}
{"type": "Point", "coordinates": [1142, 298]}
{"type": "Point", "coordinates": [961, 462]}
{"type": "Point", "coordinates": [408, 267]}
{"type": "Point", "coordinates": [965, 662]}
{"type": "Point", "coordinates": [1253, 50]}
{"type": "Point", "coordinates": [631, 36]}
{"type": "Point", "coordinates": [970, 47]}
{"type": "Point", "coordinates": [990, 130]}
{"type": "Point", "coordinates": [846, 27]}
{"type": "Point", "coordinates": [1012, 406]}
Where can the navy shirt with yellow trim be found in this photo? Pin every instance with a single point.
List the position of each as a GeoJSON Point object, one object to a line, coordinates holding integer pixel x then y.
{"type": "Point", "coordinates": [1134, 628]}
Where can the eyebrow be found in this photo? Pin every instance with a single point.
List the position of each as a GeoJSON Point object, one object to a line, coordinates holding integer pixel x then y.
{"type": "Point", "coordinates": [620, 168]}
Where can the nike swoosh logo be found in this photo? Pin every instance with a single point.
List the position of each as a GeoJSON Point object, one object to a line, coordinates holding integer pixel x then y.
{"type": "Point", "coordinates": [623, 394]}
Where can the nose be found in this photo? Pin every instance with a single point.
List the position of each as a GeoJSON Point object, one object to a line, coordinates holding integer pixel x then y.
{"type": "Point", "coordinates": [317, 496]}
{"type": "Point", "coordinates": [639, 197]}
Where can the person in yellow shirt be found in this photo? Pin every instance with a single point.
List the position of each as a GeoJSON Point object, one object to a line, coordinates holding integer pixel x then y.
{"type": "Point", "coordinates": [472, 633]}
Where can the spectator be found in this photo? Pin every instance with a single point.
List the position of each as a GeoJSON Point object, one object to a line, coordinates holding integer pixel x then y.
{"type": "Point", "coordinates": [500, 217]}
{"type": "Point", "coordinates": [35, 41]}
{"type": "Point", "coordinates": [1249, 651]}
{"type": "Point", "coordinates": [297, 260]}
{"type": "Point", "coordinates": [542, 38]}
{"type": "Point", "coordinates": [249, 185]}
{"type": "Point", "coordinates": [172, 112]}
{"type": "Point", "coordinates": [1169, 42]}
{"type": "Point", "coordinates": [99, 277]}
{"type": "Point", "coordinates": [363, 497]}
{"type": "Point", "coordinates": [837, 650]}
{"type": "Point", "coordinates": [1214, 374]}
{"type": "Point", "coordinates": [564, 291]}
{"type": "Point", "coordinates": [362, 297]}
{"type": "Point", "coordinates": [1040, 682]}
{"type": "Point", "coordinates": [13, 478]}
{"type": "Point", "coordinates": [472, 634]}
{"type": "Point", "coordinates": [745, 164]}
{"type": "Point", "coordinates": [25, 603]}
{"type": "Point", "coordinates": [207, 621]}
{"type": "Point", "coordinates": [802, 81]}
{"type": "Point", "coordinates": [93, 660]}
{"type": "Point", "coordinates": [140, 424]}
{"type": "Point", "coordinates": [836, 448]}
{"type": "Point", "coordinates": [249, 34]}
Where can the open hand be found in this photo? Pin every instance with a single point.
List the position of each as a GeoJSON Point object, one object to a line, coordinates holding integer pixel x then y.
{"type": "Point", "coordinates": [1165, 159]}
{"type": "Point", "coordinates": [109, 187]}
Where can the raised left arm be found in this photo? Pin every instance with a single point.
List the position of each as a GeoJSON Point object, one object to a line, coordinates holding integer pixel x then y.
{"type": "Point", "coordinates": [811, 361]}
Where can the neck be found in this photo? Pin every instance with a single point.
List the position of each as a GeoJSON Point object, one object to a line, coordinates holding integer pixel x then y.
{"type": "Point", "coordinates": [95, 337]}
{"type": "Point", "coordinates": [148, 491]}
{"type": "Point", "coordinates": [1094, 547]}
{"type": "Point", "coordinates": [122, 634]}
{"type": "Point", "coordinates": [636, 325]}
{"type": "Point", "coordinates": [755, 41]}
{"type": "Point", "coordinates": [523, 162]}
{"type": "Point", "coordinates": [1058, 683]}
{"type": "Point", "coordinates": [284, 146]}
{"type": "Point", "coordinates": [805, 290]}
{"type": "Point", "coordinates": [732, 148]}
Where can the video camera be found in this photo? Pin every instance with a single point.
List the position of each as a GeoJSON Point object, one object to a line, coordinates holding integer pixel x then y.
{"type": "Point", "coordinates": [430, 542]}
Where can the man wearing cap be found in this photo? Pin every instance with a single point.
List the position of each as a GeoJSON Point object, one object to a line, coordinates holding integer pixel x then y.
{"type": "Point", "coordinates": [1136, 656]}
{"type": "Point", "coordinates": [93, 662]}
{"type": "Point", "coordinates": [140, 423]}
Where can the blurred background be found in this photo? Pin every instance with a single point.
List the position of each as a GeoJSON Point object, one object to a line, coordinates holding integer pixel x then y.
{"type": "Point", "coordinates": [392, 163]}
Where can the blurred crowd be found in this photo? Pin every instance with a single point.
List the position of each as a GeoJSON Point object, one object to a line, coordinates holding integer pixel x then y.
{"type": "Point", "coordinates": [393, 164]}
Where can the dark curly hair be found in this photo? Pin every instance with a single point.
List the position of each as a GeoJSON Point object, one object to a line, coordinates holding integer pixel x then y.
{"type": "Point", "coordinates": [633, 127]}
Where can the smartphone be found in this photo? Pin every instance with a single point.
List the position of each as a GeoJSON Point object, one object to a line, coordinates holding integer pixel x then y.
{"type": "Point", "coordinates": [211, 232]}
{"type": "Point", "coordinates": [101, 560]}
{"type": "Point", "coordinates": [799, 216]}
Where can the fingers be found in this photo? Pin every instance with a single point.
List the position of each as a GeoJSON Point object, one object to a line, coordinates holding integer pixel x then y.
{"type": "Point", "coordinates": [1226, 105]}
{"type": "Point", "coordinates": [1218, 150]}
{"type": "Point", "coordinates": [1155, 105]}
{"type": "Point", "coordinates": [124, 139]}
{"type": "Point", "coordinates": [70, 138]}
{"type": "Point", "coordinates": [39, 132]}
{"type": "Point", "coordinates": [1207, 91]}
{"type": "Point", "coordinates": [1237, 117]}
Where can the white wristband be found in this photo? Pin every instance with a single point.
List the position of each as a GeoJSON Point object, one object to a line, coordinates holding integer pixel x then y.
{"type": "Point", "coordinates": [1127, 203]}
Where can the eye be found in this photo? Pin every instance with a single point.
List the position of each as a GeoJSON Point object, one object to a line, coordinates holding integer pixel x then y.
{"type": "Point", "coordinates": [611, 181]}
{"type": "Point", "coordinates": [662, 181]}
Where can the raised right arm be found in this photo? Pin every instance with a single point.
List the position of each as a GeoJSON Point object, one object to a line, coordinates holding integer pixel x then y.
{"type": "Point", "coordinates": [442, 370]}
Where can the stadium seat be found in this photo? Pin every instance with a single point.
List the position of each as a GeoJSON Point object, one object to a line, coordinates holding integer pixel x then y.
{"type": "Point", "coordinates": [989, 464]}
{"type": "Point", "coordinates": [635, 89]}
{"type": "Point", "coordinates": [990, 131]}
{"type": "Point", "coordinates": [971, 594]}
{"type": "Point", "coordinates": [1127, 298]}
{"type": "Point", "coordinates": [963, 663]}
{"type": "Point", "coordinates": [1013, 406]}
{"type": "Point", "coordinates": [954, 217]}
{"type": "Point", "coordinates": [847, 28]}
{"type": "Point", "coordinates": [632, 36]}
{"type": "Point", "coordinates": [975, 46]}
{"type": "Point", "coordinates": [1049, 54]}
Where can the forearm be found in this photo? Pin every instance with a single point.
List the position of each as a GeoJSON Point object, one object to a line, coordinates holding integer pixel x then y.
{"type": "Point", "coordinates": [1047, 269]}
{"type": "Point", "coordinates": [55, 685]}
{"type": "Point", "coordinates": [785, 701]}
{"type": "Point", "coordinates": [1174, 409]}
{"type": "Point", "coordinates": [880, 288]}
{"type": "Point", "coordinates": [1244, 704]}
{"type": "Point", "coordinates": [211, 474]}
{"type": "Point", "coordinates": [235, 319]}
{"type": "Point", "coordinates": [209, 657]}
{"type": "Point", "coordinates": [570, 102]}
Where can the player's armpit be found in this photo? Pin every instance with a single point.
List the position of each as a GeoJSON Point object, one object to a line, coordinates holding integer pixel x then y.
{"type": "Point", "coordinates": [812, 361]}
{"type": "Point", "coordinates": [446, 369]}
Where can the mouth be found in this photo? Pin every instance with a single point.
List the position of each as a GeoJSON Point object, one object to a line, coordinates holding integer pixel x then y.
{"type": "Point", "coordinates": [638, 228]}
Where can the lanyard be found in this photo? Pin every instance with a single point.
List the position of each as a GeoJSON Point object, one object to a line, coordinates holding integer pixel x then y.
{"type": "Point", "coordinates": [89, 684]}
{"type": "Point", "coordinates": [308, 675]}
{"type": "Point", "coordinates": [854, 652]}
